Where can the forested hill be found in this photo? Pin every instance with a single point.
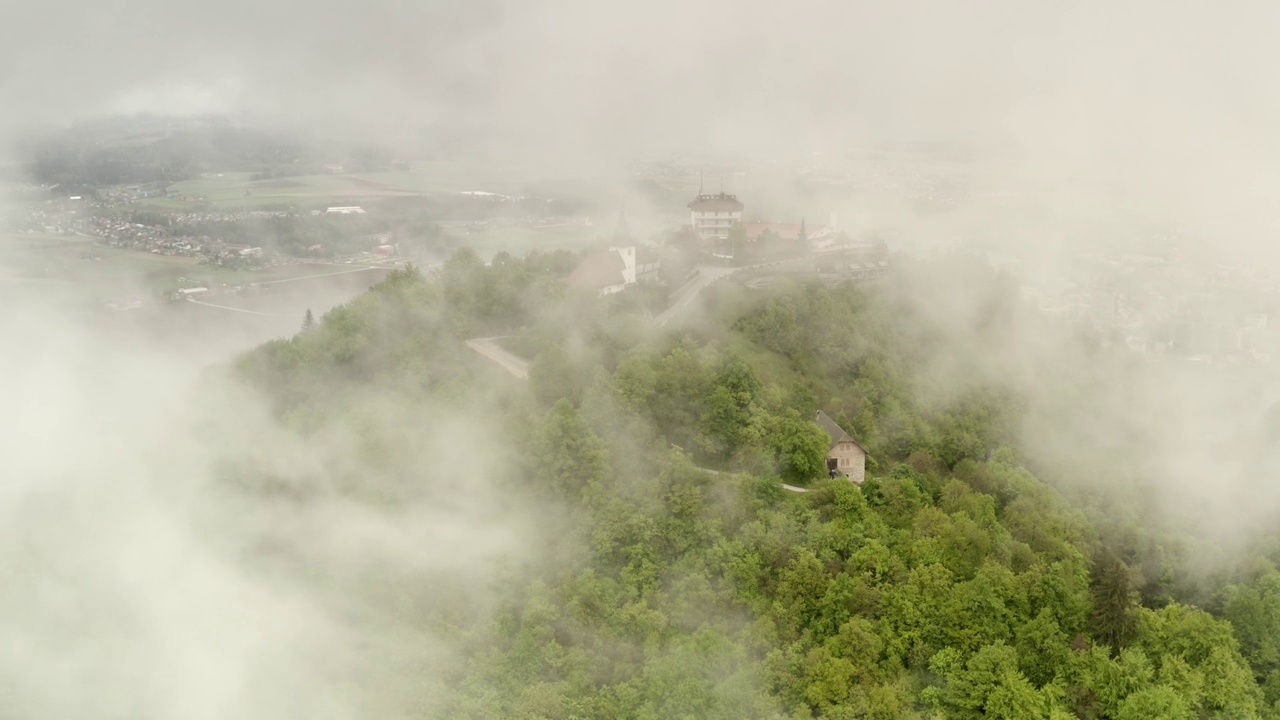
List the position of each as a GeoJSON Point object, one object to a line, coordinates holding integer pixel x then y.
{"type": "Point", "coordinates": [951, 584]}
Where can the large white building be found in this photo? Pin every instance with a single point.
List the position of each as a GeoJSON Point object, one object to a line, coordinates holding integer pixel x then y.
{"type": "Point", "coordinates": [712, 215]}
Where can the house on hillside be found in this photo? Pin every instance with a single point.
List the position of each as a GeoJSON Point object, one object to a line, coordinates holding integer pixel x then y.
{"type": "Point", "coordinates": [845, 456]}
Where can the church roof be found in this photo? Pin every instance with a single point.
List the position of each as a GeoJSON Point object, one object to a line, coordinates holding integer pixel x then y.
{"type": "Point", "coordinates": [599, 270]}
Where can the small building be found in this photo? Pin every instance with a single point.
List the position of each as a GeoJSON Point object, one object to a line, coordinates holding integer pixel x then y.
{"type": "Point", "coordinates": [845, 456]}
{"type": "Point", "coordinates": [856, 261]}
{"type": "Point", "coordinates": [346, 210]}
{"type": "Point", "coordinates": [713, 215]}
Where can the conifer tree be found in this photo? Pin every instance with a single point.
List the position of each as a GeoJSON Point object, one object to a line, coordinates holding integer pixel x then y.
{"type": "Point", "coordinates": [1115, 603]}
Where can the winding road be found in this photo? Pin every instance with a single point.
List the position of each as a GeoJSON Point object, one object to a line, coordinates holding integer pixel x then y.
{"type": "Point", "coordinates": [486, 347]}
{"type": "Point", "coordinates": [687, 293]}
{"type": "Point", "coordinates": [236, 309]}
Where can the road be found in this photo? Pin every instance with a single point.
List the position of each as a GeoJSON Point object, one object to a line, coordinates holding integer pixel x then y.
{"type": "Point", "coordinates": [785, 486]}
{"type": "Point", "coordinates": [688, 292]}
{"type": "Point", "coordinates": [487, 348]}
{"type": "Point", "coordinates": [363, 268]}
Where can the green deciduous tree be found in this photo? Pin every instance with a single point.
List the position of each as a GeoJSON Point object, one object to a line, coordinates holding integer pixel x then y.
{"type": "Point", "coordinates": [1155, 703]}
{"type": "Point", "coordinates": [1254, 612]}
{"type": "Point", "coordinates": [801, 446]}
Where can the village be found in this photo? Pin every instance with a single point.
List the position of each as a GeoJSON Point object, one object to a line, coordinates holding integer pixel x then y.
{"type": "Point", "coordinates": [1153, 304]}
{"type": "Point", "coordinates": [716, 241]}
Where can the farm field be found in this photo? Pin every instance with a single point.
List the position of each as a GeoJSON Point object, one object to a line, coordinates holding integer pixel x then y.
{"type": "Point", "coordinates": [234, 190]}
{"type": "Point", "coordinates": [83, 261]}
{"type": "Point", "coordinates": [238, 190]}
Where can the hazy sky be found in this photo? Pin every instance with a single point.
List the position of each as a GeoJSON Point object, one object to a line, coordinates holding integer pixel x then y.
{"type": "Point", "coordinates": [1120, 79]}
{"type": "Point", "coordinates": [1173, 103]}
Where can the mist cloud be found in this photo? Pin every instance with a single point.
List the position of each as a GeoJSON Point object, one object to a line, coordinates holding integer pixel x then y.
{"type": "Point", "coordinates": [1086, 124]}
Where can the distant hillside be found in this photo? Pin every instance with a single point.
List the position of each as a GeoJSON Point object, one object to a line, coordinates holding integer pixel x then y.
{"type": "Point", "coordinates": [152, 149]}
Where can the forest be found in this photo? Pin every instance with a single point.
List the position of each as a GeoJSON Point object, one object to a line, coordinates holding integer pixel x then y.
{"type": "Point", "coordinates": [676, 578]}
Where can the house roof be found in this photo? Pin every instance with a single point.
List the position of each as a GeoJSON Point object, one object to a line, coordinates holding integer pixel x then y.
{"type": "Point", "coordinates": [837, 433]}
{"type": "Point", "coordinates": [719, 202]}
{"type": "Point", "coordinates": [600, 269]}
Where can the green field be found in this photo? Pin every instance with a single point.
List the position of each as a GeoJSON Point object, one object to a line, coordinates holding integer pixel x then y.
{"type": "Point", "coordinates": [237, 190]}
{"type": "Point", "coordinates": [229, 190]}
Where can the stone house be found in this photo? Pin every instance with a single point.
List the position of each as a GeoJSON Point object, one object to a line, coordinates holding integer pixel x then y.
{"type": "Point", "coordinates": [845, 456]}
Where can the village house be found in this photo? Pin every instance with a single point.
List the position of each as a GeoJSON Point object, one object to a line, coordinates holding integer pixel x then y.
{"type": "Point", "coordinates": [622, 264]}
{"type": "Point", "coordinates": [845, 456]}
{"type": "Point", "coordinates": [711, 216]}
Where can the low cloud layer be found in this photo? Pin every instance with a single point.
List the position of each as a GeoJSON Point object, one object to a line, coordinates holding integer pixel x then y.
{"type": "Point", "coordinates": [150, 571]}
{"type": "Point", "coordinates": [137, 578]}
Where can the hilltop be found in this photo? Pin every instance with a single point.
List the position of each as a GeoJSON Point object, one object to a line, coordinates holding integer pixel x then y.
{"type": "Point", "coordinates": [952, 583]}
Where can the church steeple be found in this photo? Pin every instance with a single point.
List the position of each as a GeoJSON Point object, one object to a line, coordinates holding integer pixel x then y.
{"type": "Point", "coordinates": [622, 232]}
{"type": "Point", "coordinates": [804, 236]}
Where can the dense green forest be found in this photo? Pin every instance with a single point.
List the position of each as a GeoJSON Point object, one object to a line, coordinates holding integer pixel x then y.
{"type": "Point", "coordinates": [677, 579]}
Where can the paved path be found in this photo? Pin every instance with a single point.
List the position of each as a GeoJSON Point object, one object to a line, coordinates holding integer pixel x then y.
{"type": "Point", "coordinates": [684, 296]}
{"type": "Point", "coordinates": [487, 348]}
{"type": "Point", "coordinates": [785, 486]}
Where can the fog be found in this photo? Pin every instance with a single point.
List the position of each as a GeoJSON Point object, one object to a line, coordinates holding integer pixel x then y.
{"type": "Point", "coordinates": [135, 585]}
{"type": "Point", "coordinates": [141, 581]}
